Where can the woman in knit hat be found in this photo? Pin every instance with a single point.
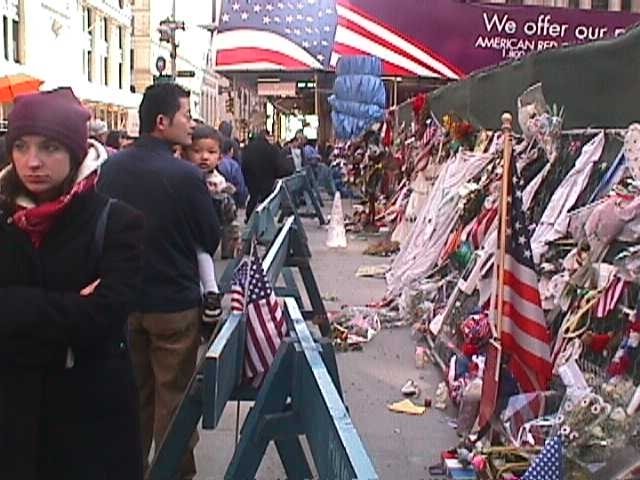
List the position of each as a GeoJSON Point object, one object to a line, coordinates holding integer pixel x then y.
{"type": "Point", "coordinates": [70, 261]}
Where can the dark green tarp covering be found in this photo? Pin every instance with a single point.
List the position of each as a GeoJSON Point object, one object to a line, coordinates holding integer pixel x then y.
{"type": "Point", "coordinates": [598, 84]}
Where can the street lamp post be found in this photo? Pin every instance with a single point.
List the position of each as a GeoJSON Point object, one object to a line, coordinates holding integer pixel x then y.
{"type": "Point", "coordinates": [174, 45]}
{"type": "Point", "coordinates": [167, 31]}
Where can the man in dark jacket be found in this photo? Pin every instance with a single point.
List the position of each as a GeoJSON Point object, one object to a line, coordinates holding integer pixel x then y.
{"type": "Point", "coordinates": [180, 217]}
{"type": "Point", "coordinates": [260, 169]}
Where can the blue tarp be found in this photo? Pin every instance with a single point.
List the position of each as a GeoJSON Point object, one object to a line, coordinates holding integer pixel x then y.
{"type": "Point", "coordinates": [359, 65]}
{"type": "Point", "coordinates": [359, 97]}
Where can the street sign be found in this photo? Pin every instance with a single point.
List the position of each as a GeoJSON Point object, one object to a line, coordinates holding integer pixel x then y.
{"type": "Point", "coordinates": [172, 24]}
{"type": "Point", "coordinates": [162, 79]}
{"type": "Point", "coordinates": [161, 64]}
{"type": "Point", "coordinates": [185, 73]}
{"type": "Point", "coordinates": [306, 85]}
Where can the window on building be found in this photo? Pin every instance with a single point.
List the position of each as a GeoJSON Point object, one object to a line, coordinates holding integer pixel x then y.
{"type": "Point", "coordinates": [132, 59]}
{"type": "Point", "coordinates": [600, 4]}
{"type": "Point", "coordinates": [87, 56]}
{"type": "Point", "coordinates": [5, 29]}
{"type": "Point", "coordinates": [16, 41]}
{"type": "Point", "coordinates": [626, 5]}
{"type": "Point", "coordinates": [121, 59]}
{"type": "Point", "coordinates": [12, 36]}
{"type": "Point", "coordinates": [574, 3]}
{"type": "Point", "coordinates": [89, 20]}
{"type": "Point", "coordinates": [90, 65]}
{"type": "Point", "coordinates": [104, 57]}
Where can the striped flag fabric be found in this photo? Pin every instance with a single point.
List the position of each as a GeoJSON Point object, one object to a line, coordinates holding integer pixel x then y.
{"type": "Point", "coordinates": [524, 336]}
{"type": "Point", "coordinates": [609, 299]}
{"type": "Point", "coordinates": [482, 225]}
{"type": "Point", "coordinates": [313, 35]}
{"type": "Point", "coordinates": [252, 293]}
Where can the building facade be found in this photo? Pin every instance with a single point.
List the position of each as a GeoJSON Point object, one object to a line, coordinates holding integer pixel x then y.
{"type": "Point", "coordinates": [613, 5]}
{"type": "Point", "coordinates": [193, 52]}
{"type": "Point", "coordinates": [83, 44]}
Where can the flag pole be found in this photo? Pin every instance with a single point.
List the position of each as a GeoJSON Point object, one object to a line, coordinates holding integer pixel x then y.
{"type": "Point", "coordinates": [491, 376]}
{"type": "Point", "coordinates": [507, 120]}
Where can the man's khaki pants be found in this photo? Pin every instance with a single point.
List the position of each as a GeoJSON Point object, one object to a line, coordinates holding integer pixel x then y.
{"type": "Point", "coordinates": [164, 350]}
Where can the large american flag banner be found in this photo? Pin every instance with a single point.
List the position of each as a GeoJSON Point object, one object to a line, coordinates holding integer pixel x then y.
{"type": "Point", "coordinates": [251, 293]}
{"type": "Point", "coordinates": [313, 35]}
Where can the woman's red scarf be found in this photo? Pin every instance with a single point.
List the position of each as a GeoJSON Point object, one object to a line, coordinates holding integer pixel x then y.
{"type": "Point", "coordinates": [37, 221]}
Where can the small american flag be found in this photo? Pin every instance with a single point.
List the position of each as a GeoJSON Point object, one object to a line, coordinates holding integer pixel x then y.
{"type": "Point", "coordinates": [610, 297]}
{"type": "Point", "coordinates": [549, 465]}
{"type": "Point", "coordinates": [252, 293]}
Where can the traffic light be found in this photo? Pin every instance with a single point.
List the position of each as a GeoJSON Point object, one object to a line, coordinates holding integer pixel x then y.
{"type": "Point", "coordinates": [167, 29]}
{"type": "Point", "coordinates": [230, 105]}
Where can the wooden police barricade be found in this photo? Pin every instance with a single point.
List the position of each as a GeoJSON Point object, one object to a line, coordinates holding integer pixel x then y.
{"type": "Point", "coordinates": [294, 247]}
{"type": "Point", "coordinates": [301, 395]}
{"type": "Point", "coordinates": [263, 227]}
{"type": "Point", "coordinates": [315, 186]}
{"type": "Point", "coordinates": [302, 184]}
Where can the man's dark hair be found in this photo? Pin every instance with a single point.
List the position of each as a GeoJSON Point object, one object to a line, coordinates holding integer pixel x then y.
{"type": "Point", "coordinates": [160, 99]}
{"type": "Point", "coordinates": [113, 139]}
{"type": "Point", "coordinates": [227, 146]}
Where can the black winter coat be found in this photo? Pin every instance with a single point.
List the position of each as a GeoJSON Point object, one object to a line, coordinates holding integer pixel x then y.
{"type": "Point", "coordinates": [80, 422]}
{"type": "Point", "coordinates": [260, 167]}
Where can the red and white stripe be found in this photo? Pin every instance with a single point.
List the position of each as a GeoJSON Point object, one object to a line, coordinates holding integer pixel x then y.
{"type": "Point", "coordinates": [609, 299]}
{"type": "Point", "coordinates": [266, 327]}
{"type": "Point", "coordinates": [524, 332]}
{"type": "Point", "coordinates": [358, 33]}
{"type": "Point", "coordinates": [237, 298]}
{"type": "Point", "coordinates": [252, 49]}
{"type": "Point", "coordinates": [482, 225]}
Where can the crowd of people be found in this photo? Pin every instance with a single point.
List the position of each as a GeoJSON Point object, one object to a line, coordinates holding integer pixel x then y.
{"type": "Point", "coordinates": [107, 278]}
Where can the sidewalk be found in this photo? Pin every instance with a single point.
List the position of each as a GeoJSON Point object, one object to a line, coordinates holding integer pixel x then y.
{"type": "Point", "coordinates": [401, 446]}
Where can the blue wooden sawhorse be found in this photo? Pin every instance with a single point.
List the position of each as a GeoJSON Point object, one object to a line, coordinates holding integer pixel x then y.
{"type": "Point", "coordinates": [301, 396]}
{"type": "Point", "coordinates": [264, 227]}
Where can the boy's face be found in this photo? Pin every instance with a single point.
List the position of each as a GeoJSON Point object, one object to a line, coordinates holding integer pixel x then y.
{"type": "Point", "coordinates": [204, 153]}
